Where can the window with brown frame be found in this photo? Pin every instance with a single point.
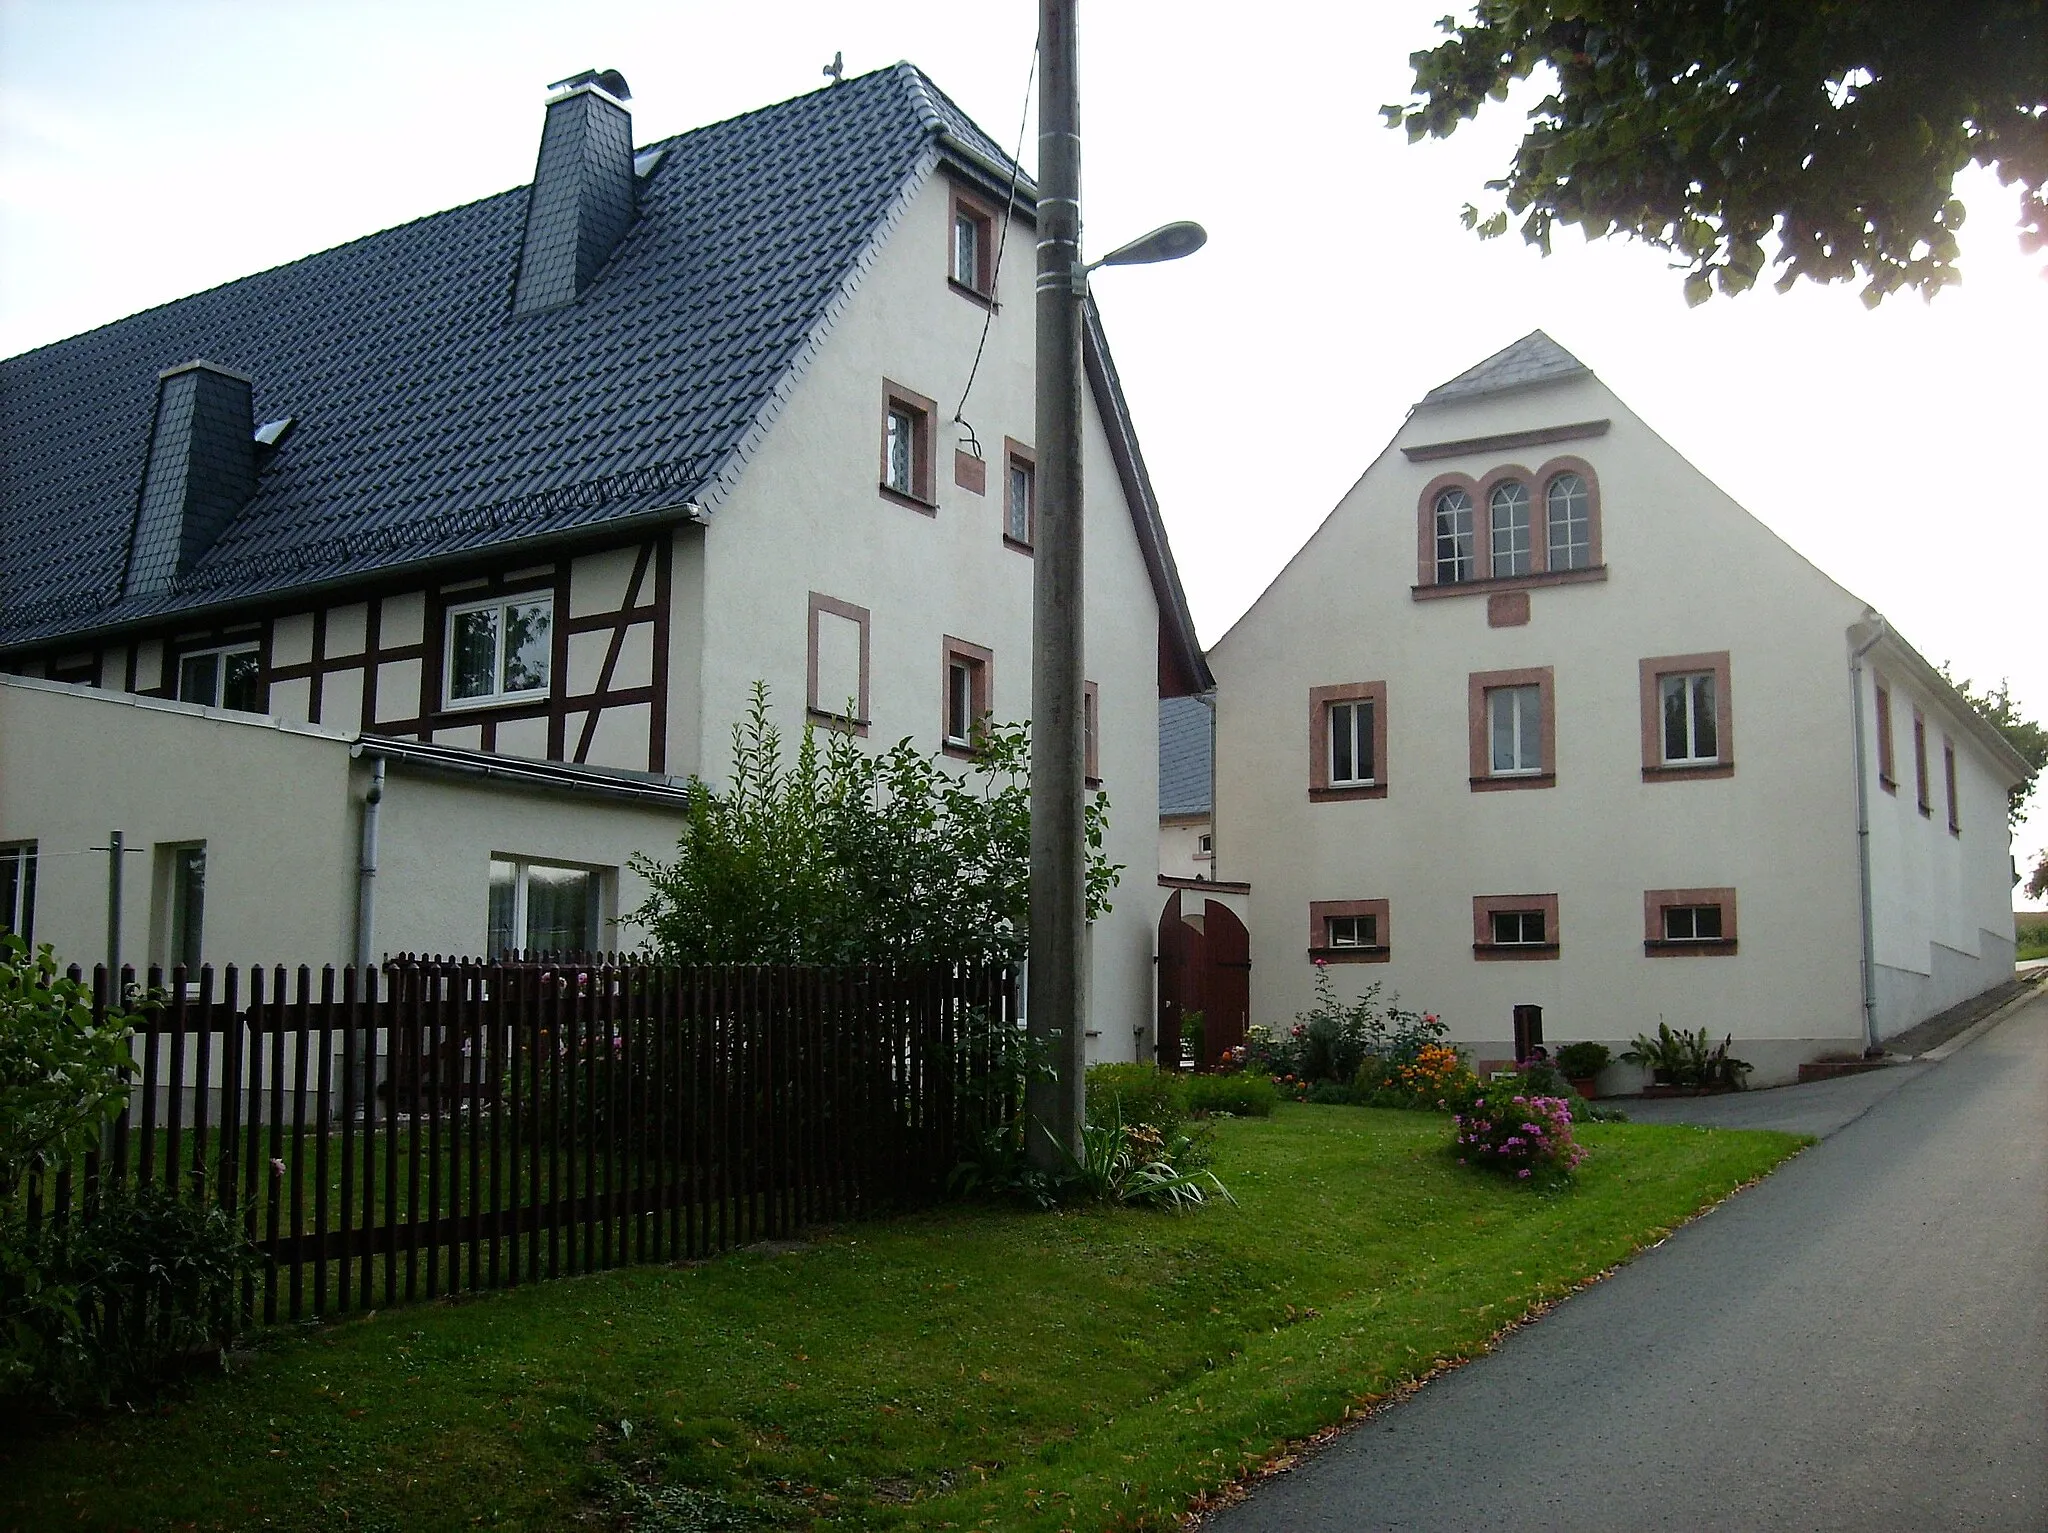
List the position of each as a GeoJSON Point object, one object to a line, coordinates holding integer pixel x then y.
{"type": "Point", "coordinates": [1511, 728]}
{"type": "Point", "coordinates": [969, 683]}
{"type": "Point", "coordinates": [1020, 495]}
{"type": "Point", "coordinates": [1514, 926]}
{"type": "Point", "coordinates": [1512, 529]}
{"type": "Point", "coordinates": [1347, 741]}
{"type": "Point", "coordinates": [907, 447]}
{"type": "Point", "coordinates": [971, 251]}
{"type": "Point", "coordinates": [1681, 922]}
{"type": "Point", "coordinates": [1948, 770]}
{"type": "Point", "coordinates": [1349, 931]}
{"type": "Point", "coordinates": [1688, 716]}
{"type": "Point", "coordinates": [1887, 775]}
{"type": "Point", "coordinates": [1920, 761]}
{"type": "Point", "coordinates": [836, 663]}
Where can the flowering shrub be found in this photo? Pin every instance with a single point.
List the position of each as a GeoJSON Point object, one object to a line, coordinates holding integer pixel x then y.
{"type": "Point", "coordinates": [1331, 1040]}
{"type": "Point", "coordinates": [1518, 1135]}
{"type": "Point", "coordinates": [1435, 1077]}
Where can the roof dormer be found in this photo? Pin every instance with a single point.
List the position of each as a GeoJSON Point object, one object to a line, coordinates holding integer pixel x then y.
{"type": "Point", "coordinates": [201, 471]}
{"type": "Point", "coordinates": [583, 193]}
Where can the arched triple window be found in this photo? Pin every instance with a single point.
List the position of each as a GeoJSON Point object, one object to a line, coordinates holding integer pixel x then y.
{"type": "Point", "coordinates": [1511, 524]}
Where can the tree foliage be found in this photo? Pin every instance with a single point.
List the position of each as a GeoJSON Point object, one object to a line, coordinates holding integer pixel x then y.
{"type": "Point", "coordinates": [1705, 127]}
{"type": "Point", "coordinates": [841, 856]}
{"type": "Point", "coordinates": [1996, 706]}
{"type": "Point", "coordinates": [2037, 881]}
{"type": "Point", "coordinates": [63, 1072]}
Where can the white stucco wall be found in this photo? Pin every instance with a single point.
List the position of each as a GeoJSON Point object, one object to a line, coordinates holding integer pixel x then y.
{"type": "Point", "coordinates": [1689, 572]}
{"type": "Point", "coordinates": [807, 515]}
{"type": "Point", "coordinates": [1180, 848]}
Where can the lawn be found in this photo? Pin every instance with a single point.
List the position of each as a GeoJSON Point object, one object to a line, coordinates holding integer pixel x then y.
{"type": "Point", "coordinates": [969, 1368]}
{"type": "Point", "coordinates": [2030, 927]}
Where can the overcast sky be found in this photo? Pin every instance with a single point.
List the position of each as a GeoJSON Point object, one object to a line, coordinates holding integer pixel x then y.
{"type": "Point", "coordinates": [148, 150]}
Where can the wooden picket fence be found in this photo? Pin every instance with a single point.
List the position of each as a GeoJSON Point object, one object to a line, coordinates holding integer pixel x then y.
{"type": "Point", "coordinates": [435, 1125]}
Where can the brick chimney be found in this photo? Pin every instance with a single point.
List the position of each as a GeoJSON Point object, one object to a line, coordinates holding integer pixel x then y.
{"type": "Point", "coordinates": [201, 471]}
{"type": "Point", "coordinates": [583, 191]}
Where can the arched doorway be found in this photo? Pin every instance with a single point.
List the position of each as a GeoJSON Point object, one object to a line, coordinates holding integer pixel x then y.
{"type": "Point", "coordinates": [1205, 966]}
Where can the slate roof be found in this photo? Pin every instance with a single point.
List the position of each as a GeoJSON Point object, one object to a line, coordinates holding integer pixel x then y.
{"type": "Point", "coordinates": [1184, 748]}
{"type": "Point", "coordinates": [430, 421]}
{"type": "Point", "coordinates": [1534, 359]}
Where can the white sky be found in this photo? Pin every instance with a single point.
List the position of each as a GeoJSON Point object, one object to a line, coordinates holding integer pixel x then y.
{"type": "Point", "coordinates": [151, 148]}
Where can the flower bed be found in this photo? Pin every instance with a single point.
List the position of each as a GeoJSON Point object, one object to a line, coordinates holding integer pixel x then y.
{"type": "Point", "coordinates": [1518, 1135]}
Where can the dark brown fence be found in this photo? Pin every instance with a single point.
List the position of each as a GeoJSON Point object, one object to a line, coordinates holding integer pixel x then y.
{"type": "Point", "coordinates": [437, 1125]}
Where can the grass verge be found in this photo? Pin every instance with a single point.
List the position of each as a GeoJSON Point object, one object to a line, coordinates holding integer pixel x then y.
{"type": "Point", "coordinates": [968, 1368]}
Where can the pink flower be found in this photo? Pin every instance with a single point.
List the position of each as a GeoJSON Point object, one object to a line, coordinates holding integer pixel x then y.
{"type": "Point", "coordinates": [1322, 963]}
{"type": "Point", "coordinates": [277, 1168]}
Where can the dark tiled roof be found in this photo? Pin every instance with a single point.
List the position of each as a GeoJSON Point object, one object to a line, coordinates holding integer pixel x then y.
{"type": "Point", "coordinates": [1184, 747]}
{"type": "Point", "coordinates": [1534, 359]}
{"type": "Point", "coordinates": [428, 420]}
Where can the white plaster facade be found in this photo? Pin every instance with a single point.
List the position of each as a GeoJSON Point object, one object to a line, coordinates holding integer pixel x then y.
{"type": "Point", "coordinates": [1677, 570]}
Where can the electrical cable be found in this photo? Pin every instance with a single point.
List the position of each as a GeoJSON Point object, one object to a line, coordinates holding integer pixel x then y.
{"type": "Point", "coordinates": [1002, 243]}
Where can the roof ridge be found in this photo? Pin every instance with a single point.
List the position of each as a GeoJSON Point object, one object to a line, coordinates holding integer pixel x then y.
{"type": "Point", "coordinates": [1532, 360]}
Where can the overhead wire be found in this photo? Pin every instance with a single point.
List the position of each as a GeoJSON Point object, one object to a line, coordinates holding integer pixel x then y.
{"type": "Point", "coordinates": [1002, 243]}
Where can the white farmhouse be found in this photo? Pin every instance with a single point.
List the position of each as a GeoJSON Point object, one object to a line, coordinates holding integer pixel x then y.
{"type": "Point", "coordinates": [495, 518]}
{"type": "Point", "coordinates": [1540, 716]}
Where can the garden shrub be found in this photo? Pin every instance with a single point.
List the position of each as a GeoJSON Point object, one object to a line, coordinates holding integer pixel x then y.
{"type": "Point", "coordinates": [1517, 1134]}
{"type": "Point", "coordinates": [1240, 1095]}
{"type": "Point", "coordinates": [1687, 1059]}
{"type": "Point", "coordinates": [1137, 1094]}
{"type": "Point", "coordinates": [103, 1305]}
{"type": "Point", "coordinates": [1333, 1039]}
{"type": "Point", "coordinates": [62, 1072]}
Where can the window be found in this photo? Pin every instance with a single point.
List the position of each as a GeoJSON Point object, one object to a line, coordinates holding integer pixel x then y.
{"type": "Point", "coordinates": [1948, 768]}
{"type": "Point", "coordinates": [907, 446]}
{"type": "Point", "coordinates": [499, 648]}
{"type": "Point", "coordinates": [1348, 931]}
{"type": "Point", "coordinates": [227, 677]}
{"type": "Point", "coordinates": [1091, 734]}
{"type": "Point", "coordinates": [971, 257]}
{"type": "Point", "coordinates": [968, 689]}
{"type": "Point", "coordinates": [1347, 741]}
{"type": "Point", "coordinates": [1541, 528]}
{"type": "Point", "coordinates": [1205, 845]}
{"type": "Point", "coordinates": [1454, 553]}
{"type": "Point", "coordinates": [1568, 514]}
{"type": "Point", "coordinates": [1509, 516]}
{"type": "Point", "coordinates": [182, 905]}
{"type": "Point", "coordinates": [542, 907]}
{"type": "Point", "coordinates": [1887, 776]}
{"type": "Point", "coordinates": [1680, 922]}
{"type": "Point", "coordinates": [1512, 715]}
{"type": "Point", "coordinates": [1020, 496]}
{"type": "Point", "coordinates": [1920, 760]}
{"type": "Point", "coordinates": [1688, 718]}
{"type": "Point", "coordinates": [18, 890]}
{"type": "Point", "coordinates": [836, 663]}
{"type": "Point", "coordinates": [1514, 730]}
{"type": "Point", "coordinates": [1513, 926]}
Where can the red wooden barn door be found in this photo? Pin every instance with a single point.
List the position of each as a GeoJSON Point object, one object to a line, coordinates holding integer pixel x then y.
{"type": "Point", "coordinates": [1227, 985]}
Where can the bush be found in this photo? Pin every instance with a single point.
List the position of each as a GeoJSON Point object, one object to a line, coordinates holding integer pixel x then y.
{"type": "Point", "coordinates": [1137, 1094]}
{"type": "Point", "coordinates": [103, 1306]}
{"type": "Point", "coordinates": [1333, 1039]}
{"type": "Point", "coordinates": [1239, 1096]}
{"type": "Point", "coordinates": [1138, 1163]}
{"type": "Point", "coordinates": [1687, 1059]}
{"type": "Point", "coordinates": [62, 1072]}
{"type": "Point", "coordinates": [1517, 1134]}
{"type": "Point", "coordinates": [1581, 1061]}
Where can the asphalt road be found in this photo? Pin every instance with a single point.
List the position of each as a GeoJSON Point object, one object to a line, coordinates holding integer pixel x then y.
{"type": "Point", "coordinates": [1861, 1342]}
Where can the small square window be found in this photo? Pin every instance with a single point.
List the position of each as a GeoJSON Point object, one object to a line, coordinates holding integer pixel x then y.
{"type": "Point", "coordinates": [541, 907]}
{"type": "Point", "coordinates": [499, 649]}
{"type": "Point", "coordinates": [966, 698]}
{"type": "Point", "coordinates": [1348, 931]}
{"type": "Point", "coordinates": [907, 447]}
{"type": "Point", "coordinates": [1692, 923]}
{"type": "Point", "coordinates": [1515, 926]}
{"type": "Point", "coordinates": [1205, 845]}
{"type": "Point", "coordinates": [1353, 931]}
{"type": "Point", "coordinates": [1677, 922]}
{"type": "Point", "coordinates": [230, 676]}
{"type": "Point", "coordinates": [18, 890]}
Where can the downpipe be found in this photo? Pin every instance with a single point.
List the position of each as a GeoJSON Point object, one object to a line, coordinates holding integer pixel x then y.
{"type": "Point", "coordinates": [1871, 1047]}
{"type": "Point", "coordinates": [366, 870]}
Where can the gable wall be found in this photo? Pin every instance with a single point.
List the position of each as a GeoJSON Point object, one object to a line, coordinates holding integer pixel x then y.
{"type": "Point", "coordinates": [1689, 572]}
{"type": "Point", "coordinates": [808, 516]}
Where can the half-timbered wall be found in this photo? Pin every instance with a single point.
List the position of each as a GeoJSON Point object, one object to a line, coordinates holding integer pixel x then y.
{"type": "Point", "coordinates": [375, 660]}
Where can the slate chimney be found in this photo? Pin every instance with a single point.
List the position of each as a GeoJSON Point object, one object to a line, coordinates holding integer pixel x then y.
{"type": "Point", "coordinates": [583, 191]}
{"type": "Point", "coordinates": [201, 471]}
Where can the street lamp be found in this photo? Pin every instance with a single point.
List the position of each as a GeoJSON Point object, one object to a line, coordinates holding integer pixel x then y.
{"type": "Point", "coordinates": [1054, 1005]}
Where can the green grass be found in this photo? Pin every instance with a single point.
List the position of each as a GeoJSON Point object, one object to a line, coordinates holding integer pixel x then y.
{"type": "Point", "coordinates": [970, 1367]}
{"type": "Point", "coordinates": [2031, 928]}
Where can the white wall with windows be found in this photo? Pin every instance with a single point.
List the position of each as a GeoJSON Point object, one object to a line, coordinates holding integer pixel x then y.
{"type": "Point", "coordinates": [1553, 599]}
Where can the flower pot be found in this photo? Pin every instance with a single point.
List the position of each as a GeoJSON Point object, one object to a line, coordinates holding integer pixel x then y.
{"type": "Point", "coordinates": [1584, 1085]}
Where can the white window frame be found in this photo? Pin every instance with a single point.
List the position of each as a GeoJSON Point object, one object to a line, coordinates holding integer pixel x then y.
{"type": "Point", "coordinates": [1020, 468]}
{"type": "Point", "coordinates": [498, 694]}
{"type": "Point", "coordinates": [1692, 912]}
{"type": "Point", "coordinates": [595, 915]}
{"type": "Point", "coordinates": [20, 915]}
{"type": "Point", "coordinates": [1517, 753]}
{"type": "Point", "coordinates": [1205, 845]}
{"type": "Point", "coordinates": [1361, 931]}
{"type": "Point", "coordinates": [220, 671]}
{"type": "Point", "coordinates": [1684, 681]}
{"type": "Point", "coordinates": [1360, 712]}
{"type": "Point", "coordinates": [1460, 565]}
{"type": "Point", "coordinates": [1569, 512]}
{"type": "Point", "coordinates": [1520, 918]}
{"type": "Point", "coordinates": [1510, 543]}
{"type": "Point", "coordinates": [961, 676]}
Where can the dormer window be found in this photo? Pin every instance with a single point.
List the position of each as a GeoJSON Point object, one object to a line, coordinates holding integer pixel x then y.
{"type": "Point", "coordinates": [498, 649]}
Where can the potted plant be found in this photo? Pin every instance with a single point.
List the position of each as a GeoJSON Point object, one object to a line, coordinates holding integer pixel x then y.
{"type": "Point", "coordinates": [1581, 1064]}
{"type": "Point", "coordinates": [1686, 1064]}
